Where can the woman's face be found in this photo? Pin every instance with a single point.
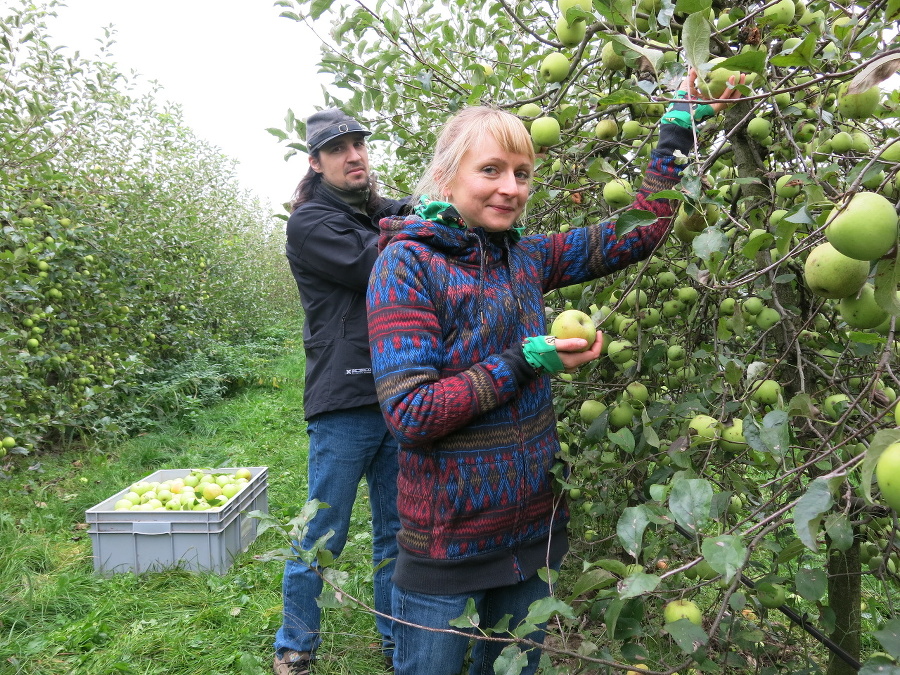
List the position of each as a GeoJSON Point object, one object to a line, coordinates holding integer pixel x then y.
{"type": "Point", "coordinates": [491, 186]}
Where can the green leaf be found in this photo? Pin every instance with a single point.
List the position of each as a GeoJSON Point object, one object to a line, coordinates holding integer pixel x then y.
{"type": "Point", "coordinates": [630, 528]}
{"type": "Point", "coordinates": [692, 6]}
{"type": "Point", "coordinates": [592, 580]}
{"type": "Point", "coordinates": [634, 218]}
{"type": "Point", "coordinates": [801, 55]}
{"type": "Point", "coordinates": [879, 665]}
{"type": "Point", "coordinates": [468, 618]}
{"type": "Point", "coordinates": [512, 661]}
{"type": "Point", "coordinates": [695, 34]}
{"type": "Point", "coordinates": [811, 584]}
{"type": "Point", "coordinates": [278, 133]}
{"type": "Point", "coordinates": [687, 635]}
{"type": "Point", "coordinates": [757, 243]}
{"type": "Point", "coordinates": [880, 441]}
{"type": "Point", "coordinates": [637, 584]}
{"type": "Point", "coordinates": [541, 610]}
{"type": "Point", "coordinates": [710, 242]}
{"type": "Point", "coordinates": [319, 7]}
{"type": "Point", "coordinates": [690, 502]}
{"type": "Point", "coordinates": [839, 530]}
{"type": "Point", "coordinates": [889, 637]}
{"type": "Point", "coordinates": [815, 502]}
{"type": "Point", "coordinates": [622, 438]}
{"type": "Point", "coordinates": [622, 96]}
{"type": "Point", "coordinates": [748, 62]}
{"type": "Point", "coordinates": [726, 554]}
{"type": "Point", "coordinates": [667, 194]}
{"type": "Point", "coordinates": [801, 405]}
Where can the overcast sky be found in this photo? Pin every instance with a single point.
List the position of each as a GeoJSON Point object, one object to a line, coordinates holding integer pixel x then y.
{"type": "Point", "coordinates": [233, 65]}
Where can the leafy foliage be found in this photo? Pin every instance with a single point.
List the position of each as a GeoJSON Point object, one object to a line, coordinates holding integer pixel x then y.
{"type": "Point", "coordinates": [127, 248]}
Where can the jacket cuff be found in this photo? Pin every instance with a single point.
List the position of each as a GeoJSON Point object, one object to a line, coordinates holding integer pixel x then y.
{"type": "Point", "coordinates": [523, 371]}
{"type": "Point", "coordinates": [673, 137]}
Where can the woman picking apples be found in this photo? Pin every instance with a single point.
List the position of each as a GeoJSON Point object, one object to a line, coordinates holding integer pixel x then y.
{"type": "Point", "coordinates": [462, 364]}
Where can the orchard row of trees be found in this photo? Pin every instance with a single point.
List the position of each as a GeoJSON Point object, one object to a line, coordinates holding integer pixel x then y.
{"type": "Point", "coordinates": [130, 258]}
{"type": "Point", "coordinates": [723, 451]}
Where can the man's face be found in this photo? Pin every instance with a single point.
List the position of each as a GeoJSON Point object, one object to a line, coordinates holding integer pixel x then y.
{"type": "Point", "coordinates": [344, 162]}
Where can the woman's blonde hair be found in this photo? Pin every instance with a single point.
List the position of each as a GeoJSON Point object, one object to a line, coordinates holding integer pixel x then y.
{"type": "Point", "coordinates": [461, 133]}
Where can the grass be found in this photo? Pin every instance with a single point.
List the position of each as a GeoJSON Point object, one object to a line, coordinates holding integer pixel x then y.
{"type": "Point", "coordinates": [58, 617]}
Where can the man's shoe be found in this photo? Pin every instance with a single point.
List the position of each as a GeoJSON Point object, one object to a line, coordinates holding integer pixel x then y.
{"type": "Point", "coordinates": [292, 663]}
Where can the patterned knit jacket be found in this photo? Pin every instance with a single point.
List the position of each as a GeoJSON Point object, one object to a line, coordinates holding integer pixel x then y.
{"type": "Point", "coordinates": [448, 309]}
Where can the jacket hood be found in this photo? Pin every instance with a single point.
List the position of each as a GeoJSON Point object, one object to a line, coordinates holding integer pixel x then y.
{"type": "Point", "coordinates": [467, 245]}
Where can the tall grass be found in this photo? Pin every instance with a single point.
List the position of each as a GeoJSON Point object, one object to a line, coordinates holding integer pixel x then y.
{"type": "Point", "coordinates": [58, 617]}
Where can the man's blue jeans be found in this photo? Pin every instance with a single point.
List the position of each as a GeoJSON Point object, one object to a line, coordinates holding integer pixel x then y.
{"type": "Point", "coordinates": [344, 446]}
{"type": "Point", "coordinates": [421, 652]}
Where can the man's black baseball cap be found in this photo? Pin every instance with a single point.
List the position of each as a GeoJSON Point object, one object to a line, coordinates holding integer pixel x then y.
{"type": "Point", "coordinates": [324, 125]}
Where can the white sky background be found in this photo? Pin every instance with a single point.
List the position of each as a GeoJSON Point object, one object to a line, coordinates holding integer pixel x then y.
{"type": "Point", "coordinates": [234, 66]}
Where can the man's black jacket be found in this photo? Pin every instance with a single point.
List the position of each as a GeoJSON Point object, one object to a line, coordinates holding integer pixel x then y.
{"type": "Point", "coordinates": [331, 250]}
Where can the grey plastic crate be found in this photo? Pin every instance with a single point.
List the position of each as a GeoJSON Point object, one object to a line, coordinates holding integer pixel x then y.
{"type": "Point", "coordinates": [208, 541]}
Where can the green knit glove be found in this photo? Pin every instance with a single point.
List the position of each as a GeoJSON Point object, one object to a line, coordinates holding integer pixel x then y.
{"type": "Point", "coordinates": [541, 354]}
{"type": "Point", "coordinates": [679, 112]}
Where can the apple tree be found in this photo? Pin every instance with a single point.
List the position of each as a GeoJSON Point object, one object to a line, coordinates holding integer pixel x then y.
{"type": "Point", "coordinates": [127, 249]}
{"type": "Point", "coordinates": [723, 451]}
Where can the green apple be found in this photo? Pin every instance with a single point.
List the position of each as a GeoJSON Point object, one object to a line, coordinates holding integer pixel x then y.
{"type": "Point", "coordinates": [715, 82]}
{"type": "Point", "coordinates": [621, 414]}
{"type": "Point", "coordinates": [732, 438]}
{"type": "Point", "coordinates": [123, 505]}
{"type": "Point", "coordinates": [565, 5]}
{"type": "Point", "coordinates": [759, 127]}
{"type": "Point", "coordinates": [606, 129]}
{"type": "Point", "coordinates": [617, 193]}
{"type": "Point", "coordinates": [887, 474]}
{"type": "Point", "coordinates": [243, 473]}
{"type": "Point", "coordinates": [610, 59]}
{"type": "Point", "coordinates": [865, 228]}
{"type": "Point", "coordinates": [620, 351]}
{"type": "Point", "coordinates": [753, 305]}
{"type": "Point", "coordinates": [636, 391]}
{"type": "Point", "coordinates": [211, 491]}
{"type": "Point", "coordinates": [767, 392]}
{"type": "Point", "coordinates": [861, 106]}
{"type": "Point", "coordinates": [831, 274]}
{"type": "Point", "coordinates": [779, 14]}
{"type": "Point", "coordinates": [570, 35]}
{"type": "Point", "coordinates": [770, 595]}
{"type": "Point", "coordinates": [861, 310]}
{"type": "Point", "coordinates": [703, 429]}
{"type": "Point", "coordinates": [554, 67]}
{"type": "Point", "coordinates": [841, 142]}
{"type": "Point", "coordinates": [892, 152]}
{"type": "Point", "coordinates": [788, 187]}
{"type": "Point", "coordinates": [767, 318]}
{"type": "Point", "coordinates": [682, 609]}
{"type": "Point", "coordinates": [676, 354]}
{"type": "Point", "coordinates": [835, 405]}
{"type": "Point", "coordinates": [687, 294]}
{"type": "Point", "coordinates": [545, 131]}
{"type": "Point", "coordinates": [590, 410]}
{"type": "Point", "coordinates": [573, 323]}
{"type": "Point", "coordinates": [631, 129]}
{"type": "Point", "coordinates": [528, 111]}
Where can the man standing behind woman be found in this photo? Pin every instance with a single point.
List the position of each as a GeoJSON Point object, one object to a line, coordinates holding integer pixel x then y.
{"type": "Point", "coordinates": [332, 239]}
{"type": "Point", "coordinates": [462, 364]}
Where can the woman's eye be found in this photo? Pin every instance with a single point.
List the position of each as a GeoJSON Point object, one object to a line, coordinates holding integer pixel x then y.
{"type": "Point", "coordinates": [523, 175]}
{"type": "Point", "coordinates": [490, 169]}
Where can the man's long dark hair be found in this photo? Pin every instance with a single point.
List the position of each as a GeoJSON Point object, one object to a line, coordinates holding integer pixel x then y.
{"type": "Point", "coordinates": [306, 188]}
